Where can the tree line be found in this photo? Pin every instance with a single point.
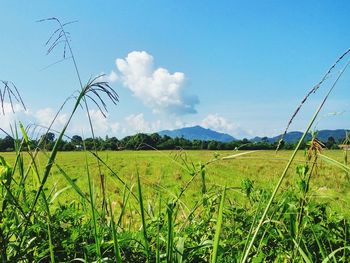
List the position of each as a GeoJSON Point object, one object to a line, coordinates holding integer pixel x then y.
{"type": "Point", "coordinates": [142, 141]}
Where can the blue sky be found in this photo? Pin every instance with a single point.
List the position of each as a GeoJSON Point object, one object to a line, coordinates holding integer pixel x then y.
{"type": "Point", "coordinates": [240, 67]}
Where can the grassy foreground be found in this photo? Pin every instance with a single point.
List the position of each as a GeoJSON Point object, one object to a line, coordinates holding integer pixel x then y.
{"type": "Point", "coordinates": [175, 206]}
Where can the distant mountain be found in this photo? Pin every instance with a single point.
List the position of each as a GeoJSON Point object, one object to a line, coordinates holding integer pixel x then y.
{"type": "Point", "coordinates": [198, 133]}
{"type": "Point", "coordinates": [323, 135]}
{"type": "Point", "coordinates": [294, 136]}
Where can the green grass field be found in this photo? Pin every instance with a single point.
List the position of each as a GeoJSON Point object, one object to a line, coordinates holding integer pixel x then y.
{"type": "Point", "coordinates": [173, 206]}
{"type": "Point", "coordinates": [166, 170]}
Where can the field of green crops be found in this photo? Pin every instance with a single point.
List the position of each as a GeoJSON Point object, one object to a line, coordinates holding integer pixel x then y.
{"type": "Point", "coordinates": [175, 206]}
{"type": "Point", "coordinates": [166, 170]}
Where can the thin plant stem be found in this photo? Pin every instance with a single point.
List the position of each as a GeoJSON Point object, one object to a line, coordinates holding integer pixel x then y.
{"type": "Point", "coordinates": [284, 173]}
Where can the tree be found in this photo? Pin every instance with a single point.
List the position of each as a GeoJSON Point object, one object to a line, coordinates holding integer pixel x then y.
{"type": "Point", "coordinates": [330, 143]}
{"type": "Point", "coordinates": [7, 144]}
{"type": "Point", "coordinates": [77, 140]}
{"type": "Point", "coordinates": [265, 139]}
{"type": "Point", "coordinates": [68, 147]}
{"type": "Point", "coordinates": [196, 144]}
{"type": "Point", "coordinates": [48, 137]}
{"type": "Point", "coordinates": [245, 141]}
{"type": "Point", "coordinates": [155, 137]}
{"type": "Point", "coordinates": [166, 143]}
{"type": "Point", "coordinates": [213, 145]}
{"type": "Point", "coordinates": [89, 143]}
{"type": "Point", "coordinates": [47, 140]}
{"type": "Point", "coordinates": [111, 144]}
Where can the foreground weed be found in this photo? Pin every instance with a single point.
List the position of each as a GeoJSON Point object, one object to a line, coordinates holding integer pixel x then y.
{"type": "Point", "coordinates": [218, 227]}
{"type": "Point", "coordinates": [142, 210]}
{"type": "Point", "coordinates": [284, 173]}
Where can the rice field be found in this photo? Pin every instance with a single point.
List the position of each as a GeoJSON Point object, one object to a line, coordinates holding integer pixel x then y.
{"type": "Point", "coordinates": [142, 187]}
{"type": "Point", "coordinates": [167, 170]}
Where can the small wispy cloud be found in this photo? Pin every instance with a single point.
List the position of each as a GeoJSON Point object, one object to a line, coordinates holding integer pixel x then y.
{"type": "Point", "coordinates": [111, 77]}
{"type": "Point", "coordinates": [102, 125]}
{"type": "Point", "coordinates": [45, 116]}
{"type": "Point", "coordinates": [218, 123]}
{"type": "Point", "coordinates": [10, 114]}
{"type": "Point", "coordinates": [221, 124]}
{"type": "Point", "coordinates": [137, 123]}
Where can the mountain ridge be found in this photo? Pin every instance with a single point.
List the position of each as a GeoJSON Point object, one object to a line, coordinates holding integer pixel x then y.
{"type": "Point", "coordinates": [197, 132]}
{"type": "Point", "coordinates": [294, 136]}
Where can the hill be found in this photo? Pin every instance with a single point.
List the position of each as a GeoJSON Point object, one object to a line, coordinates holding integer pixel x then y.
{"type": "Point", "coordinates": [294, 136]}
{"type": "Point", "coordinates": [198, 133]}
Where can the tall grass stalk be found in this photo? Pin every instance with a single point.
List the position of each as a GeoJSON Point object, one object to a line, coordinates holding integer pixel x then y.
{"type": "Point", "coordinates": [118, 257]}
{"type": "Point", "coordinates": [218, 227]}
{"type": "Point", "coordinates": [319, 243]}
{"type": "Point", "coordinates": [143, 219]}
{"type": "Point", "coordinates": [312, 91]}
{"type": "Point", "coordinates": [158, 227]}
{"type": "Point", "coordinates": [284, 173]}
{"type": "Point", "coordinates": [53, 154]}
{"type": "Point", "coordinates": [252, 225]}
{"type": "Point", "coordinates": [345, 240]}
{"type": "Point", "coordinates": [345, 155]}
{"type": "Point", "coordinates": [112, 95]}
{"type": "Point", "coordinates": [51, 246]}
{"type": "Point", "coordinates": [35, 171]}
{"type": "Point", "coordinates": [204, 187]}
{"type": "Point", "coordinates": [180, 247]}
{"type": "Point", "coordinates": [170, 234]}
{"type": "Point", "coordinates": [124, 204]}
{"type": "Point", "coordinates": [93, 213]}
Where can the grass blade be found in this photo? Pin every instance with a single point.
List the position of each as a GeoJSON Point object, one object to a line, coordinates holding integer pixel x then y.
{"type": "Point", "coordinates": [142, 210]}
{"type": "Point", "coordinates": [51, 246]}
{"type": "Point", "coordinates": [331, 255]}
{"type": "Point", "coordinates": [218, 227]}
{"type": "Point", "coordinates": [180, 247]}
{"type": "Point", "coordinates": [335, 163]}
{"type": "Point", "coordinates": [302, 253]}
{"type": "Point", "coordinates": [124, 204]}
{"type": "Point", "coordinates": [170, 243]}
{"type": "Point", "coordinates": [158, 228]}
{"type": "Point", "coordinates": [72, 183]}
{"type": "Point", "coordinates": [118, 257]}
{"type": "Point", "coordinates": [319, 244]}
{"type": "Point", "coordinates": [92, 204]}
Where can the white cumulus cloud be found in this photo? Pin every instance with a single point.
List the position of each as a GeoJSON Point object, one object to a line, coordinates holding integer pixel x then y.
{"type": "Point", "coordinates": [157, 88]}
